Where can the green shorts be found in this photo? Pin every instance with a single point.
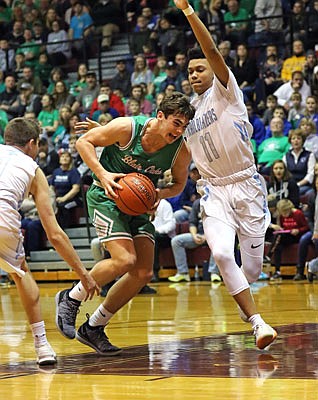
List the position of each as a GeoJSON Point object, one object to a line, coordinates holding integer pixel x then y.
{"type": "Point", "coordinates": [111, 223]}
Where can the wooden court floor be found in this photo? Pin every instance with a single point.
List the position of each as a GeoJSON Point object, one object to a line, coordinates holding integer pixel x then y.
{"type": "Point", "coordinates": [185, 342]}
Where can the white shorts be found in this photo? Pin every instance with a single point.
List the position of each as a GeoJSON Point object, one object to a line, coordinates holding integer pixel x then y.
{"type": "Point", "coordinates": [11, 251]}
{"type": "Point", "coordinates": [242, 205]}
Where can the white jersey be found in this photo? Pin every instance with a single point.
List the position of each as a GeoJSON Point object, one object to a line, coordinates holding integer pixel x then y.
{"type": "Point", "coordinates": [219, 134]}
{"type": "Point", "coordinates": [17, 171]}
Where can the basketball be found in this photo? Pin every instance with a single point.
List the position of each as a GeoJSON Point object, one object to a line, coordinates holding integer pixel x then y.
{"type": "Point", "coordinates": [138, 194]}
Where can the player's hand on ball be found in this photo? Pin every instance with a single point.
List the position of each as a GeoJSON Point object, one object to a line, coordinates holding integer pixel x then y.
{"type": "Point", "coordinates": [108, 181]}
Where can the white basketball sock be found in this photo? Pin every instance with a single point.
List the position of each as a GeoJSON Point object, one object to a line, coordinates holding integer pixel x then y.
{"type": "Point", "coordinates": [39, 334]}
{"type": "Point", "coordinates": [78, 292]}
{"type": "Point", "coordinates": [255, 320]}
{"type": "Point", "coordinates": [100, 317]}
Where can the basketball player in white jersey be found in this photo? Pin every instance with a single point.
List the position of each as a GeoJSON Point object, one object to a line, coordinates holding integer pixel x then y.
{"type": "Point", "coordinates": [19, 176]}
{"type": "Point", "coordinates": [233, 193]}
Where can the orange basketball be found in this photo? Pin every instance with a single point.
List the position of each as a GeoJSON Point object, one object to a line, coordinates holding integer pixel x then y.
{"type": "Point", "coordinates": [138, 194]}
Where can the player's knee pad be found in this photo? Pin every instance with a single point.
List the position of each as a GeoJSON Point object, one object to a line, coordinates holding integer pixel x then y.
{"type": "Point", "coordinates": [252, 268]}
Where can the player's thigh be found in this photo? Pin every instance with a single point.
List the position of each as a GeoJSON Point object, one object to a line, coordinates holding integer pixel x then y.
{"type": "Point", "coordinates": [145, 253]}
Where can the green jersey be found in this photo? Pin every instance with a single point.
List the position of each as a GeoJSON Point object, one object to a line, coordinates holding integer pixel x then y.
{"type": "Point", "coordinates": [133, 158]}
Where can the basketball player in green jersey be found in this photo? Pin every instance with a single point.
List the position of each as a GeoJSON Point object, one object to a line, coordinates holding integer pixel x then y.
{"type": "Point", "coordinates": [130, 144]}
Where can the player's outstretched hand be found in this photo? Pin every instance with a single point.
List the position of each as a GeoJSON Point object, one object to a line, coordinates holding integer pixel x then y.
{"type": "Point", "coordinates": [82, 127]}
{"type": "Point", "coordinates": [181, 4]}
{"type": "Point", "coordinates": [90, 286]}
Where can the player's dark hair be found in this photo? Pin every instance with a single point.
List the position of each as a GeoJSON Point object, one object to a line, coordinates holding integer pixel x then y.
{"type": "Point", "coordinates": [195, 53]}
{"type": "Point", "coordinates": [20, 131]}
{"type": "Point", "coordinates": [177, 104]}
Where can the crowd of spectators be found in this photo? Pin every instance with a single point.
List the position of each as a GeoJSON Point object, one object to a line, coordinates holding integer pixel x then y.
{"type": "Point", "coordinates": [270, 46]}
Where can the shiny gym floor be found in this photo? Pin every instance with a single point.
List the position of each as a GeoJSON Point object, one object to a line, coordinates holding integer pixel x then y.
{"type": "Point", "coordinates": [185, 342]}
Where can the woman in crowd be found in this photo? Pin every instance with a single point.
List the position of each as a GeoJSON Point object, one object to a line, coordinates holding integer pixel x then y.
{"type": "Point", "coordinates": [300, 162]}
{"type": "Point", "coordinates": [66, 183]}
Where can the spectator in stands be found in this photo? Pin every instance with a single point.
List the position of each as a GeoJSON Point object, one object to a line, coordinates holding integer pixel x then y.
{"type": "Point", "coordinates": [9, 95]}
{"type": "Point", "coordinates": [271, 104]}
{"type": "Point", "coordinates": [61, 95]}
{"type": "Point", "coordinates": [158, 99]}
{"type": "Point", "coordinates": [281, 184]}
{"type": "Point", "coordinates": [145, 105]}
{"type": "Point", "coordinates": [104, 107]}
{"type": "Point", "coordinates": [19, 64]}
{"type": "Point", "coordinates": [59, 53]}
{"type": "Point", "coordinates": [165, 230]}
{"type": "Point", "coordinates": [245, 71]}
{"type": "Point", "coordinates": [311, 110]}
{"type": "Point", "coordinates": [167, 38]}
{"type": "Point", "coordinates": [160, 72]}
{"type": "Point", "coordinates": [80, 29]}
{"type": "Point", "coordinates": [309, 238]}
{"type": "Point", "coordinates": [32, 79]}
{"type": "Point", "coordinates": [294, 63]}
{"type": "Point", "coordinates": [191, 240]}
{"type": "Point", "coordinates": [300, 162]}
{"type": "Point", "coordinates": [27, 101]}
{"type": "Point", "coordinates": [84, 100]}
{"type": "Point", "coordinates": [114, 100]}
{"type": "Point", "coordinates": [171, 77]}
{"type": "Point", "coordinates": [182, 65]}
{"type": "Point", "coordinates": [273, 148]}
{"type": "Point", "coordinates": [267, 28]}
{"type": "Point", "coordinates": [50, 16]}
{"type": "Point", "coordinates": [15, 37]}
{"type": "Point", "coordinates": [225, 50]}
{"type": "Point", "coordinates": [64, 138]}
{"type": "Point", "coordinates": [48, 118]}
{"type": "Point", "coordinates": [211, 15]}
{"type": "Point", "coordinates": [56, 75]}
{"type": "Point", "coordinates": [80, 83]}
{"type": "Point", "coordinates": [236, 23]}
{"type": "Point", "coordinates": [29, 48]}
{"type": "Point", "coordinates": [43, 69]}
{"type": "Point", "coordinates": [297, 27]}
{"type": "Point", "coordinates": [258, 126]}
{"type": "Point", "coordinates": [312, 24]}
{"type": "Point", "coordinates": [140, 36]}
{"type": "Point", "coordinates": [6, 56]}
{"type": "Point", "coordinates": [186, 88]}
{"type": "Point", "coordinates": [142, 73]}
{"type": "Point", "coordinates": [296, 84]}
{"type": "Point", "coordinates": [310, 131]}
{"type": "Point", "coordinates": [66, 184]}
{"type": "Point", "coordinates": [107, 18]}
{"type": "Point", "coordinates": [279, 112]}
{"type": "Point", "coordinates": [152, 18]}
{"type": "Point", "coordinates": [122, 79]}
{"type": "Point", "coordinates": [294, 222]}
{"type": "Point", "coordinates": [65, 113]}
{"type": "Point", "coordinates": [269, 75]}
{"type": "Point", "coordinates": [296, 112]}
{"type": "Point", "coordinates": [5, 17]}
{"type": "Point", "coordinates": [188, 195]}
{"type": "Point", "coordinates": [40, 35]}
{"type": "Point", "coordinates": [48, 160]}
{"type": "Point", "coordinates": [311, 62]}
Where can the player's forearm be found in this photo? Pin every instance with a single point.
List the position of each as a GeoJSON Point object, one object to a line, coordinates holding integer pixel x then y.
{"type": "Point", "coordinates": [201, 33]}
{"type": "Point", "coordinates": [63, 246]}
{"type": "Point", "coordinates": [88, 154]}
{"type": "Point", "coordinates": [171, 191]}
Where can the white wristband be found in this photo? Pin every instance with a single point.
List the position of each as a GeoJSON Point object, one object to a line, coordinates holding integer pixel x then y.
{"type": "Point", "coordinates": [188, 11]}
